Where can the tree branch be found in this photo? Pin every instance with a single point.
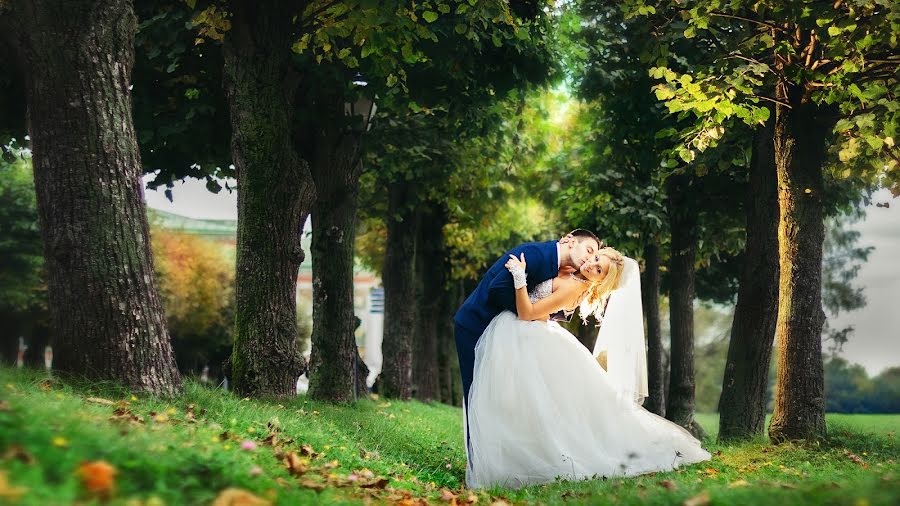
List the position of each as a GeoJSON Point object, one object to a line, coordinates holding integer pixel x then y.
{"type": "Point", "coordinates": [741, 18]}
{"type": "Point", "coordinates": [770, 99]}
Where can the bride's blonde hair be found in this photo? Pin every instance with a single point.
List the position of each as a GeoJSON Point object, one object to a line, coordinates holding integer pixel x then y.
{"type": "Point", "coordinates": [594, 298]}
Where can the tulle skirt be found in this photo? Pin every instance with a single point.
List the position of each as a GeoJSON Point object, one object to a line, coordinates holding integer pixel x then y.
{"type": "Point", "coordinates": [541, 408]}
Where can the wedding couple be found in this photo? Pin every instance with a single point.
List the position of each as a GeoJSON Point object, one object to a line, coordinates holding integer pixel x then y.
{"type": "Point", "coordinates": [537, 404]}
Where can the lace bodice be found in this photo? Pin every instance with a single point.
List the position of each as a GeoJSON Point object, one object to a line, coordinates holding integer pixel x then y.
{"type": "Point", "coordinates": [541, 290]}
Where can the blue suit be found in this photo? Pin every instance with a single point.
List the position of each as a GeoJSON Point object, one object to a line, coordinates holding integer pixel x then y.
{"type": "Point", "coordinates": [495, 294]}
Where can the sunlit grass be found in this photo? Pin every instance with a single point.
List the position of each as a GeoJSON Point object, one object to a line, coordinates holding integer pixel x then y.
{"type": "Point", "coordinates": [47, 429]}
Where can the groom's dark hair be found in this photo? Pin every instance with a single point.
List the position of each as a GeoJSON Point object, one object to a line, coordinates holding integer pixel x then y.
{"type": "Point", "coordinates": [581, 234]}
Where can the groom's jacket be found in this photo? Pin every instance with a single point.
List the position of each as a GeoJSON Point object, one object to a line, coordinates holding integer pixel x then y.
{"type": "Point", "coordinates": [495, 293]}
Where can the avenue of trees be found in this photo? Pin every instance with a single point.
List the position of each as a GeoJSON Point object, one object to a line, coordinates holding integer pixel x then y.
{"type": "Point", "coordinates": [712, 141]}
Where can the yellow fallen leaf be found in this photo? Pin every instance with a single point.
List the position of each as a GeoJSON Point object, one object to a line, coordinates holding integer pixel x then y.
{"type": "Point", "coordinates": [701, 499]}
{"type": "Point", "coordinates": [9, 492]}
{"type": "Point", "coordinates": [738, 483]}
{"type": "Point", "coordinates": [238, 497]}
{"type": "Point", "coordinates": [98, 400]}
{"type": "Point", "coordinates": [60, 442]}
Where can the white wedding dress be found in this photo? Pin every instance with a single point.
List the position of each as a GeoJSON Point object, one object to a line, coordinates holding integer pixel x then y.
{"type": "Point", "coordinates": [542, 408]}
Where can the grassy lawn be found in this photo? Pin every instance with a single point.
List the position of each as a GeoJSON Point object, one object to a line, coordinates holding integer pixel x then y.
{"type": "Point", "coordinates": [188, 450]}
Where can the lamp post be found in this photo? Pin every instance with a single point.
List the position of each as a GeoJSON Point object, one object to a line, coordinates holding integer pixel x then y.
{"type": "Point", "coordinates": [364, 106]}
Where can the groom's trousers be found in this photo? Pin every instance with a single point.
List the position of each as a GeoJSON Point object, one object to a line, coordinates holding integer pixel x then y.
{"type": "Point", "coordinates": [465, 350]}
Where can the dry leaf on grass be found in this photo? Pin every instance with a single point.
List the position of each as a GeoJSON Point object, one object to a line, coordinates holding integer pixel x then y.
{"type": "Point", "coordinates": [18, 453]}
{"type": "Point", "coordinates": [668, 485]}
{"type": "Point", "coordinates": [97, 477]}
{"type": "Point", "coordinates": [379, 483]}
{"type": "Point", "coordinates": [296, 465]}
{"type": "Point", "coordinates": [98, 400]}
{"type": "Point", "coordinates": [313, 485]}
{"type": "Point", "coordinates": [307, 451]}
{"type": "Point", "coordinates": [738, 484]}
{"type": "Point", "coordinates": [701, 499]}
{"type": "Point", "coordinates": [7, 491]}
{"type": "Point", "coordinates": [238, 497]}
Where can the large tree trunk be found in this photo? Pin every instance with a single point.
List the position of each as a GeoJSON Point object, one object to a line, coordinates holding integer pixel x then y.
{"type": "Point", "coordinates": [107, 315]}
{"type": "Point", "coordinates": [683, 223]}
{"type": "Point", "coordinates": [800, 135]}
{"type": "Point", "coordinates": [655, 401]}
{"type": "Point", "coordinates": [275, 196]}
{"type": "Point", "coordinates": [398, 276]}
{"type": "Point", "coordinates": [742, 405]}
{"type": "Point", "coordinates": [431, 265]}
{"type": "Point", "coordinates": [336, 168]}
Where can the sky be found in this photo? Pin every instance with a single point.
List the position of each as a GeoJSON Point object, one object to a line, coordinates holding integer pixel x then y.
{"type": "Point", "coordinates": [875, 343]}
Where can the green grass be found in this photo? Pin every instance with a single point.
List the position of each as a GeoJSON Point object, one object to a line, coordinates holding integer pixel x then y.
{"type": "Point", "coordinates": [48, 428]}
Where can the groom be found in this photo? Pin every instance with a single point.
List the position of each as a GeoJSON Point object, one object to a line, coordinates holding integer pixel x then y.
{"type": "Point", "coordinates": [495, 292]}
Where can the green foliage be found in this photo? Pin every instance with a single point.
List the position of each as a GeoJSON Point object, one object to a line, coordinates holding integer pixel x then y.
{"type": "Point", "coordinates": [22, 284]}
{"type": "Point", "coordinates": [849, 389]}
{"type": "Point", "coordinates": [841, 261]}
{"type": "Point", "coordinates": [841, 56]}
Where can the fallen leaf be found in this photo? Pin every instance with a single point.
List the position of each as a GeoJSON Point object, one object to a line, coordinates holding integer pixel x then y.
{"type": "Point", "coordinates": [738, 484]}
{"type": "Point", "coordinates": [60, 442]}
{"type": "Point", "coordinates": [380, 483]}
{"type": "Point", "coordinates": [307, 451]}
{"type": "Point", "coordinates": [701, 499]}
{"type": "Point", "coordinates": [331, 465]}
{"type": "Point", "coordinates": [313, 485]}
{"type": "Point", "coordinates": [472, 499]}
{"type": "Point", "coordinates": [238, 497]}
{"type": "Point", "coordinates": [98, 477]}
{"type": "Point", "coordinates": [296, 466]}
{"type": "Point", "coordinates": [4, 405]}
{"type": "Point", "coordinates": [18, 453]}
{"type": "Point", "coordinates": [7, 491]}
{"type": "Point", "coordinates": [668, 485]}
{"type": "Point", "coordinates": [98, 400]}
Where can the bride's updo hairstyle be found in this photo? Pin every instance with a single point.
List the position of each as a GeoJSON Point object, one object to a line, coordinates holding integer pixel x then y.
{"type": "Point", "coordinates": [594, 299]}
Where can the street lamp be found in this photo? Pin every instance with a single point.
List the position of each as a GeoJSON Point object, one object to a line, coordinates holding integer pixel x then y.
{"type": "Point", "coordinates": [364, 106]}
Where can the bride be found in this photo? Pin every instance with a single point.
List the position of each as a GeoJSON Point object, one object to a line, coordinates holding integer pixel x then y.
{"type": "Point", "coordinates": [541, 407]}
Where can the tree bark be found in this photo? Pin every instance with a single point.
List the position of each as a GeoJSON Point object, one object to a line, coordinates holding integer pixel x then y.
{"type": "Point", "coordinates": [655, 401]}
{"type": "Point", "coordinates": [275, 196]}
{"type": "Point", "coordinates": [336, 168]}
{"type": "Point", "coordinates": [683, 223]}
{"type": "Point", "coordinates": [800, 141]}
{"type": "Point", "coordinates": [431, 266]}
{"type": "Point", "coordinates": [398, 277]}
{"type": "Point", "coordinates": [107, 315]}
{"type": "Point", "coordinates": [742, 405]}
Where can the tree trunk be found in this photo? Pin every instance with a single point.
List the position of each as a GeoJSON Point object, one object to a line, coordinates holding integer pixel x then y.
{"type": "Point", "coordinates": [107, 315]}
{"type": "Point", "coordinates": [275, 196]}
{"type": "Point", "coordinates": [432, 265]}
{"type": "Point", "coordinates": [683, 223]}
{"type": "Point", "coordinates": [655, 401]}
{"type": "Point", "coordinates": [742, 405]}
{"type": "Point", "coordinates": [800, 135]}
{"type": "Point", "coordinates": [336, 169]}
{"type": "Point", "coordinates": [450, 379]}
{"type": "Point", "coordinates": [398, 277]}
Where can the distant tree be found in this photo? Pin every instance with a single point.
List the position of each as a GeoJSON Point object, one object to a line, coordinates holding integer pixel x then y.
{"type": "Point", "coordinates": [197, 284]}
{"type": "Point", "coordinates": [23, 287]}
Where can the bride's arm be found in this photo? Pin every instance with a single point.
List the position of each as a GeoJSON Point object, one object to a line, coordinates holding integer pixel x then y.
{"type": "Point", "coordinates": [564, 296]}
